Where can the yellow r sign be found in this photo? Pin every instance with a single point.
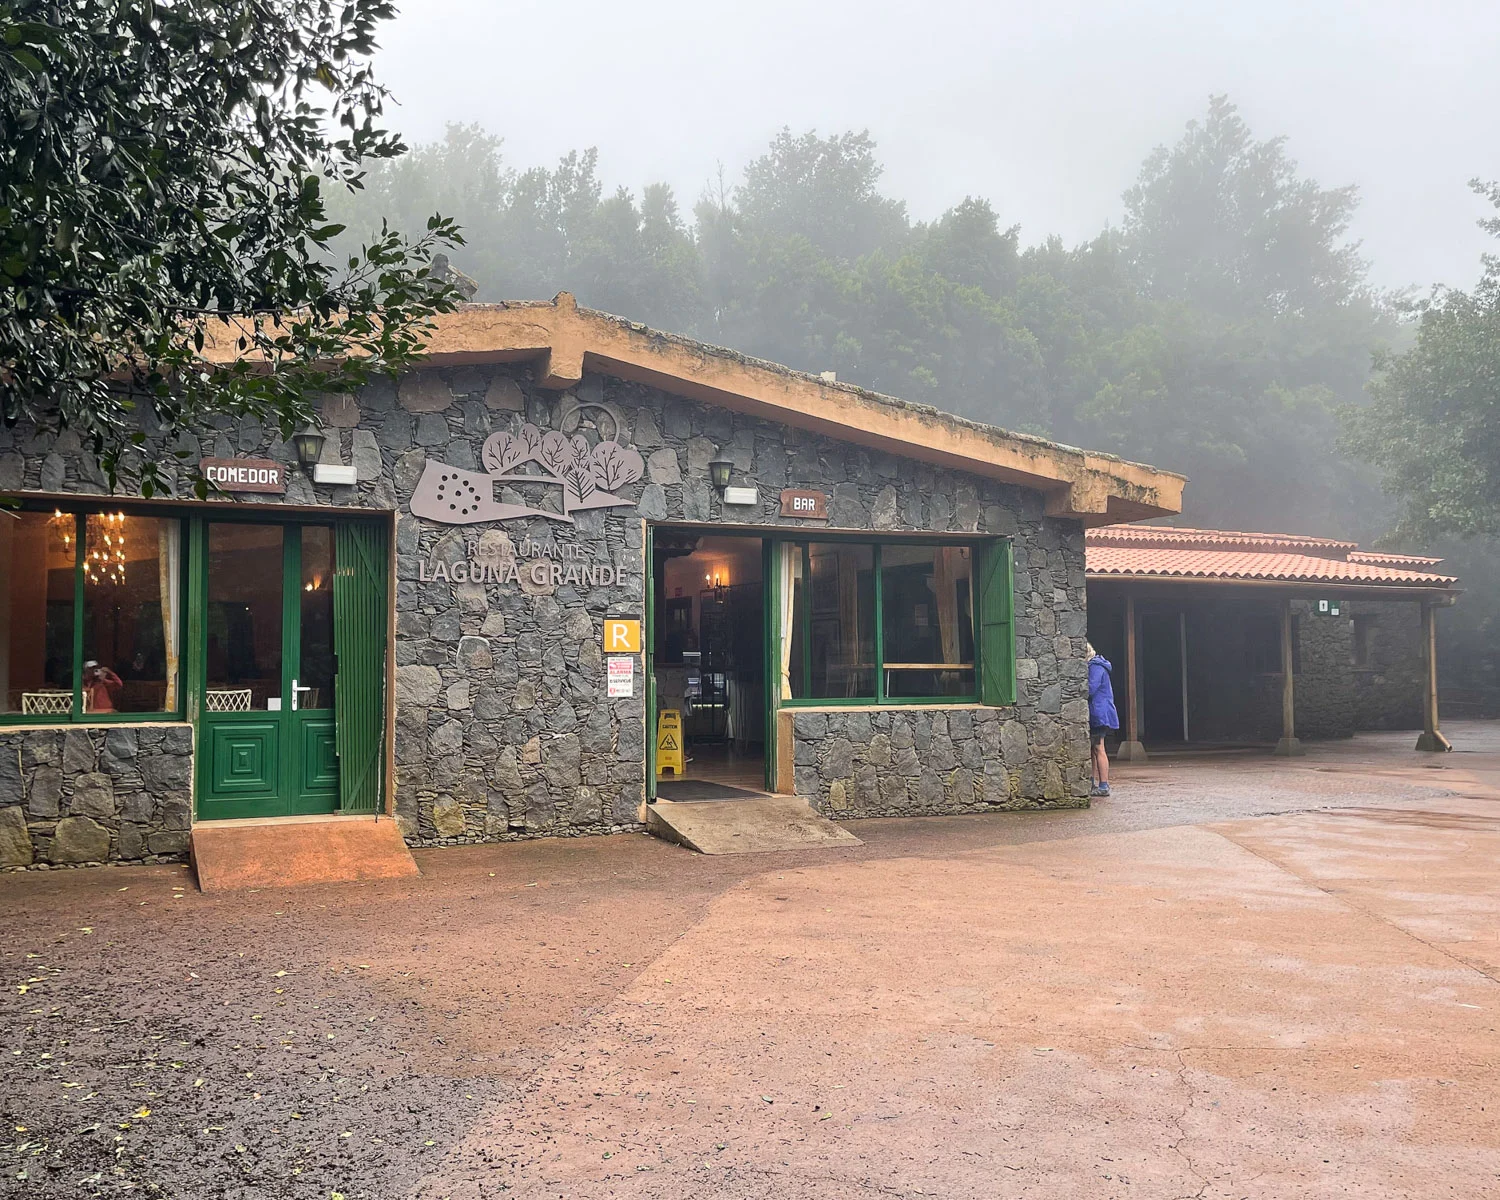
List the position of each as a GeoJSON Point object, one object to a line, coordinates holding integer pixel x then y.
{"type": "Point", "coordinates": [621, 636]}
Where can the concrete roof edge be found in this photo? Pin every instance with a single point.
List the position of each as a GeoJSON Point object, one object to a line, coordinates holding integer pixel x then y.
{"type": "Point", "coordinates": [562, 341]}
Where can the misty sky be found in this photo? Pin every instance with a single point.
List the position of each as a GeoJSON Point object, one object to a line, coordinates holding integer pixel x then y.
{"type": "Point", "coordinates": [1046, 108]}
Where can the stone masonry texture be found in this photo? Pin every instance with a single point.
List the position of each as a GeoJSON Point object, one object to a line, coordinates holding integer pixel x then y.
{"type": "Point", "coordinates": [503, 728]}
{"type": "Point", "coordinates": [117, 793]}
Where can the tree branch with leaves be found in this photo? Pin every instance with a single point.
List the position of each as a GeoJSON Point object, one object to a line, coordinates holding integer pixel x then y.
{"type": "Point", "coordinates": [1433, 427]}
{"type": "Point", "coordinates": [163, 180]}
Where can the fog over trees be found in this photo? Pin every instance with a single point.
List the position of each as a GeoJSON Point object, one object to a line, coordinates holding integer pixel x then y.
{"type": "Point", "coordinates": [1224, 325]}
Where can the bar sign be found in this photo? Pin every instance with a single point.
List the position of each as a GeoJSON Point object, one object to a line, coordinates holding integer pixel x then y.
{"type": "Point", "coordinates": [804, 502]}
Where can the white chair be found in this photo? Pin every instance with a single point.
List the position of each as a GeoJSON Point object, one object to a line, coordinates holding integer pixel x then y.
{"type": "Point", "coordinates": [48, 703]}
{"type": "Point", "coordinates": [227, 699]}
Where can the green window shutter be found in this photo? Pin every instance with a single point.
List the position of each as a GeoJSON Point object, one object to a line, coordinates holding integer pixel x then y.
{"type": "Point", "coordinates": [360, 614]}
{"type": "Point", "coordinates": [997, 630]}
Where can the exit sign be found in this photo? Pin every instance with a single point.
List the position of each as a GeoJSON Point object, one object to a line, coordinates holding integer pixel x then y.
{"type": "Point", "coordinates": [1330, 608]}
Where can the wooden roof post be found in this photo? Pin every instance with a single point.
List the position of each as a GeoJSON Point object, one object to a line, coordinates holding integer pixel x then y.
{"type": "Point", "coordinates": [1431, 737]}
{"type": "Point", "coordinates": [1288, 745]}
{"type": "Point", "coordinates": [1131, 749]}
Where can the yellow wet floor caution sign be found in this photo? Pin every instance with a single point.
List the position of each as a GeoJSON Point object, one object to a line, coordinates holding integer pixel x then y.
{"type": "Point", "coordinates": [669, 742]}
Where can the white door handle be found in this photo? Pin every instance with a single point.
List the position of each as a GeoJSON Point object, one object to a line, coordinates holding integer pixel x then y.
{"type": "Point", "coordinates": [295, 695]}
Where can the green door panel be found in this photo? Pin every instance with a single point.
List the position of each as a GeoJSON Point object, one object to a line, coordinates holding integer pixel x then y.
{"type": "Point", "coordinates": [997, 636]}
{"type": "Point", "coordinates": [649, 636]}
{"type": "Point", "coordinates": [246, 759]}
{"type": "Point", "coordinates": [320, 757]}
{"type": "Point", "coordinates": [360, 613]}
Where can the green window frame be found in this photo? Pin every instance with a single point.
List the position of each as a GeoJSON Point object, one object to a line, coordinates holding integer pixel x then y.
{"type": "Point", "coordinates": [80, 511]}
{"type": "Point", "coordinates": [992, 613]}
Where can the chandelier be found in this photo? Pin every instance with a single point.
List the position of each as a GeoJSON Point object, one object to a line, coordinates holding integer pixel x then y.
{"type": "Point", "coordinates": [104, 560]}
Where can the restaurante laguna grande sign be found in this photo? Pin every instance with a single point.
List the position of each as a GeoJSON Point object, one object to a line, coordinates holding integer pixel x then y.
{"type": "Point", "coordinates": [539, 564]}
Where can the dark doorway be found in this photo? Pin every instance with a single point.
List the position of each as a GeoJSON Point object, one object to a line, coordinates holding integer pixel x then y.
{"type": "Point", "coordinates": [709, 653]}
{"type": "Point", "coordinates": [1161, 677]}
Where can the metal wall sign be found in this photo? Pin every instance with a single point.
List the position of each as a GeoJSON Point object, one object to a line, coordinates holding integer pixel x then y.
{"type": "Point", "coordinates": [560, 472]}
{"type": "Point", "coordinates": [620, 677]}
{"type": "Point", "coordinates": [804, 502]}
{"type": "Point", "coordinates": [263, 475]}
{"type": "Point", "coordinates": [622, 635]}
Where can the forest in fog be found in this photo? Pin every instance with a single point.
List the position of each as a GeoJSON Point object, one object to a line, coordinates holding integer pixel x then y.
{"type": "Point", "coordinates": [1224, 325]}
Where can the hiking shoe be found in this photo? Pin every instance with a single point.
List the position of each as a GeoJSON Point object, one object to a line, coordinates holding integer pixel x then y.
{"type": "Point", "coordinates": [1100, 789]}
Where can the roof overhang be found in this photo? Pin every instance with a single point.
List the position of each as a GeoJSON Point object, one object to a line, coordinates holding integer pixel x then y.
{"type": "Point", "coordinates": [561, 342]}
{"type": "Point", "coordinates": [1165, 585]}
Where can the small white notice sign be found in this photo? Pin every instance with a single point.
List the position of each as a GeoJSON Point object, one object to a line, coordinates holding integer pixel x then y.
{"type": "Point", "coordinates": [621, 676]}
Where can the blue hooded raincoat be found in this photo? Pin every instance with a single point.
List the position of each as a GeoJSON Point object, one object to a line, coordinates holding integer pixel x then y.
{"type": "Point", "coordinates": [1102, 714]}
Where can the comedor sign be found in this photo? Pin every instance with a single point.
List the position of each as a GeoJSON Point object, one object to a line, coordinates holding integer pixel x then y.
{"type": "Point", "coordinates": [245, 474]}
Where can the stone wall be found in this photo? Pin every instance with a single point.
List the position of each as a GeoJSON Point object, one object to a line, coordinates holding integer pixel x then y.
{"type": "Point", "coordinates": [1325, 685]}
{"type": "Point", "coordinates": [503, 728]}
{"type": "Point", "coordinates": [118, 793]}
{"type": "Point", "coordinates": [910, 761]}
{"type": "Point", "coordinates": [1388, 691]}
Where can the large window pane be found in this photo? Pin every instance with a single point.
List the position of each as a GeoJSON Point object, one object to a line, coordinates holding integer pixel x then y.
{"type": "Point", "coordinates": [37, 557]}
{"type": "Point", "coordinates": [244, 617]}
{"type": "Point", "coordinates": [928, 616]}
{"type": "Point", "coordinates": [315, 671]}
{"type": "Point", "coordinates": [131, 613]}
{"type": "Point", "coordinates": [841, 621]}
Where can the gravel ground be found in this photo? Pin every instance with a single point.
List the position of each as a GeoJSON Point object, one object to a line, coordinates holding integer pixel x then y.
{"type": "Point", "coordinates": [429, 1037]}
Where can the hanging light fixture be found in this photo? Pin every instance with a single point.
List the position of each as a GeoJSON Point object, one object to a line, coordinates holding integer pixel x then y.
{"type": "Point", "coordinates": [104, 553]}
{"type": "Point", "coordinates": [309, 444]}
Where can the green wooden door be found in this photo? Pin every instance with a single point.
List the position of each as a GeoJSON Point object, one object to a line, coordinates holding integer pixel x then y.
{"type": "Point", "coordinates": [359, 636]}
{"type": "Point", "coordinates": [997, 631]}
{"type": "Point", "coordinates": [648, 634]}
{"type": "Point", "coordinates": [266, 730]}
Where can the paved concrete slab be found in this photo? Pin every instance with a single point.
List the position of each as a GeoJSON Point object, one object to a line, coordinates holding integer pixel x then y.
{"type": "Point", "coordinates": [751, 826]}
{"type": "Point", "coordinates": [286, 852]}
{"type": "Point", "coordinates": [1263, 981]}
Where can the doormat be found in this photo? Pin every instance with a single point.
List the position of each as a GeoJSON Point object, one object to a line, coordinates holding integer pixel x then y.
{"type": "Point", "coordinates": [690, 790]}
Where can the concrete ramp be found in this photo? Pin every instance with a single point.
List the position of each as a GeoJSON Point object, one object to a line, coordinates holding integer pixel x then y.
{"type": "Point", "coordinates": [283, 851]}
{"type": "Point", "coordinates": [751, 826]}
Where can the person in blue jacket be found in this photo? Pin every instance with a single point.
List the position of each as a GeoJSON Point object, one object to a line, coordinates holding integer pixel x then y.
{"type": "Point", "coordinates": [1103, 719]}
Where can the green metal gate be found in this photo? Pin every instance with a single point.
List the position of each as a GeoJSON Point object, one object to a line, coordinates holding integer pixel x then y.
{"type": "Point", "coordinates": [360, 615]}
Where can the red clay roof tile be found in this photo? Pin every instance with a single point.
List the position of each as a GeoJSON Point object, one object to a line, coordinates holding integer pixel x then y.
{"type": "Point", "coordinates": [1163, 552]}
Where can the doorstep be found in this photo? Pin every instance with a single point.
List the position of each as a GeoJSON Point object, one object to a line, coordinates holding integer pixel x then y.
{"type": "Point", "coordinates": [755, 825]}
{"type": "Point", "coordinates": [264, 852]}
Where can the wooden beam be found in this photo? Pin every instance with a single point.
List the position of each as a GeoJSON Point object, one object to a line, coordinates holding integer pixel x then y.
{"type": "Point", "coordinates": [1431, 737]}
{"type": "Point", "coordinates": [1288, 746]}
{"type": "Point", "coordinates": [1131, 749]}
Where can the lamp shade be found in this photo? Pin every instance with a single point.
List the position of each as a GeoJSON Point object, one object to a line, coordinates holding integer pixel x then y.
{"type": "Point", "coordinates": [718, 472]}
{"type": "Point", "coordinates": [309, 445]}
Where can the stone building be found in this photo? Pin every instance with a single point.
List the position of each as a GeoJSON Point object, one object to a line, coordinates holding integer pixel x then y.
{"type": "Point", "coordinates": [487, 598]}
{"type": "Point", "coordinates": [1221, 637]}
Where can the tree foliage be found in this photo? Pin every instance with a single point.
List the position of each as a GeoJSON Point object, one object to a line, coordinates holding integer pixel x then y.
{"type": "Point", "coordinates": [1217, 331]}
{"type": "Point", "coordinates": [1434, 426]}
{"type": "Point", "coordinates": [163, 180]}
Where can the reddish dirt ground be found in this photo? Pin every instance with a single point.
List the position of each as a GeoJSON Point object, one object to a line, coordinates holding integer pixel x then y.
{"type": "Point", "coordinates": [1240, 977]}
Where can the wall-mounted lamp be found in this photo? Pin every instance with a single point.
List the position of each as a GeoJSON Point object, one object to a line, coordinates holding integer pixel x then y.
{"type": "Point", "coordinates": [718, 472]}
{"type": "Point", "coordinates": [309, 444]}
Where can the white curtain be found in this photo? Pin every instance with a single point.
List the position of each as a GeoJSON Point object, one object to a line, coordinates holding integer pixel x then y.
{"type": "Point", "coordinates": [791, 568]}
{"type": "Point", "coordinates": [945, 584]}
{"type": "Point", "coordinates": [169, 564]}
